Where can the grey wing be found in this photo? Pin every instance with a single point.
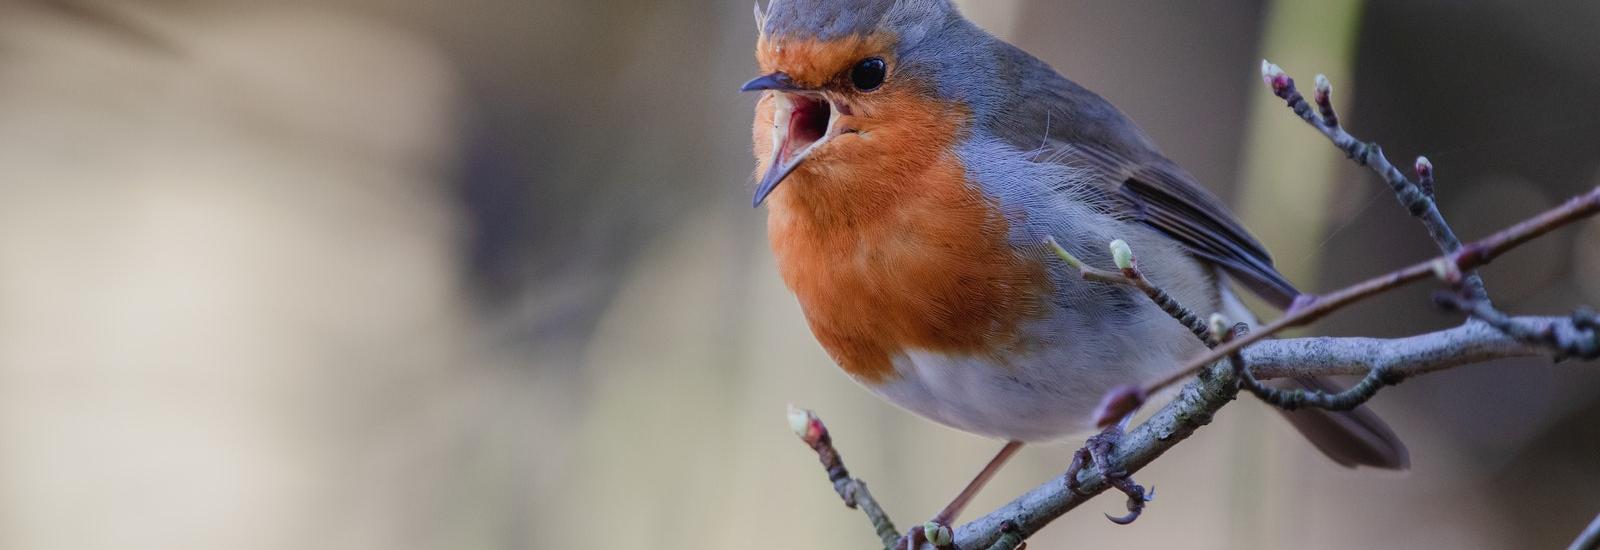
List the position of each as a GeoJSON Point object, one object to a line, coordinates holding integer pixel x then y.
{"type": "Point", "coordinates": [1068, 124]}
{"type": "Point", "coordinates": [1159, 194]}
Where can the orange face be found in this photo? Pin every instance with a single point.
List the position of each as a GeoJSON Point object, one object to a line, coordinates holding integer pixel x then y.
{"type": "Point", "coordinates": [875, 227]}
{"type": "Point", "coordinates": [830, 133]}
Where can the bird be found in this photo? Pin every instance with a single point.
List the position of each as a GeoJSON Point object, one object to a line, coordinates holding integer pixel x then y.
{"type": "Point", "coordinates": [913, 167]}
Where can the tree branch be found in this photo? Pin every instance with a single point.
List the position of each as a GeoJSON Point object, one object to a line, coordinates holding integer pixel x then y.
{"type": "Point", "coordinates": [1488, 334]}
{"type": "Point", "coordinates": [1467, 344]}
{"type": "Point", "coordinates": [1449, 266]}
{"type": "Point", "coordinates": [1589, 539]}
{"type": "Point", "coordinates": [1174, 422]}
{"type": "Point", "coordinates": [853, 491]}
{"type": "Point", "coordinates": [1203, 396]}
{"type": "Point", "coordinates": [1416, 198]}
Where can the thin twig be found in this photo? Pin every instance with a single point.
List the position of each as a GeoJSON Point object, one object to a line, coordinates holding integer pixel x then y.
{"type": "Point", "coordinates": [1589, 539]}
{"type": "Point", "coordinates": [1578, 336]}
{"type": "Point", "coordinates": [814, 434]}
{"type": "Point", "coordinates": [1377, 378]}
{"type": "Point", "coordinates": [1417, 199]}
{"type": "Point", "coordinates": [1465, 259]}
{"type": "Point", "coordinates": [1130, 275]}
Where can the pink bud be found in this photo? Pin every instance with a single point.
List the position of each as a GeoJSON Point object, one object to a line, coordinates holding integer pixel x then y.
{"type": "Point", "coordinates": [1274, 76]}
{"type": "Point", "coordinates": [1424, 167]}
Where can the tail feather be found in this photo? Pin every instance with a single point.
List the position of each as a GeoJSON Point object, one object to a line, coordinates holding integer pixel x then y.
{"type": "Point", "coordinates": [1351, 438]}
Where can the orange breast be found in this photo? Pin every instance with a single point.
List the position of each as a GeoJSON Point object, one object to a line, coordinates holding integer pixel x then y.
{"type": "Point", "coordinates": [889, 248]}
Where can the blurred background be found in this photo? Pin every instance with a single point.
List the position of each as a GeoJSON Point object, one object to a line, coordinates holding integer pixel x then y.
{"type": "Point", "coordinates": [482, 274]}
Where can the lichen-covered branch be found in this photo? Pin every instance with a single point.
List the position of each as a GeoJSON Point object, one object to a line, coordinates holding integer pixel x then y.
{"type": "Point", "coordinates": [1467, 344]}
{"type": "Point", "coordinates": [1577, 336]}
{"type": "Point", "coordinates": [1203, 396]}
{"type": "Point", "coordinates": [1174, 422]}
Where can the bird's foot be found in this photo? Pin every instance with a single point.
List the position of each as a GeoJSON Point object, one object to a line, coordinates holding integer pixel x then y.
{"type": "Point", "coordinates": [1097, 451]}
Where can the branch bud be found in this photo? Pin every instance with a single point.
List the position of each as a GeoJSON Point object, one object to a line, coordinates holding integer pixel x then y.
{"type": "Point", "coordinates": [1122, 254]}
{"type": "Point", "coordinates": [1324, 99]}
{"type": "Point", "coordinates": [1424, 168]}
{"type": "Point", "coordinates": [1447, 270]}
{"type": "Point", "coordinates": [1274, 77]}
{"type": "Point", "coordinates": [938, 535]}
{"type": "Point", "coordinates": [1221, 329]}
{"type": "Point", "coordinates": [806, 425]}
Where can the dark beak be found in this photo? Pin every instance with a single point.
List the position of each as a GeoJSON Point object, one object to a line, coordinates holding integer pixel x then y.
{"type": "Point", "coordinates": [777, 81]}
{"type": "Point", "coordinates": [802, 121]}
{"type": "Point", "coordinates": [780, 169]}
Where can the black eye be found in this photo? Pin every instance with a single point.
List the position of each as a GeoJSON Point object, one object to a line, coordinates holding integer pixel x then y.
{"type": "Point", "coordinates": [868, 74]}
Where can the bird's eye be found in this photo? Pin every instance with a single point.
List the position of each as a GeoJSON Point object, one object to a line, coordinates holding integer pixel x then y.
{"type": "Point", "coordinates": [868, 74]}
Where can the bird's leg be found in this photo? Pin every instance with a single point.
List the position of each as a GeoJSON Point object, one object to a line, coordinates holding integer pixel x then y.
{"type": "Point", "coordinates": [953, 510]}
{"type": "Point", "coordinates": [1098, 452]}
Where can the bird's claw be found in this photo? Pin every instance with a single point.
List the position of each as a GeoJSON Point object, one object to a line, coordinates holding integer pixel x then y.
{"type": "Point", "coordinates": [1135, 507]}
{"type": "Point", "coordinates": [1125, 519]}
{"type": "Point", "coordinates": [1098, 451]}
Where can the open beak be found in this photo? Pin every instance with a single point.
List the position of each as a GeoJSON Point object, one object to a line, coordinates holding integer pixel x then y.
{"type": "Point", "coordinates": [802, 120]}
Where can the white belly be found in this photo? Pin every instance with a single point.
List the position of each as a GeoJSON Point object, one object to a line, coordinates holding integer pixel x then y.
{"type": "Point", "coordinates": [1040, 396]}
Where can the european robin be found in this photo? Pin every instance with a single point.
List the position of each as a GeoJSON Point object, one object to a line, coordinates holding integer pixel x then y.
{"type": "Point", "coordinates": [913, 167]}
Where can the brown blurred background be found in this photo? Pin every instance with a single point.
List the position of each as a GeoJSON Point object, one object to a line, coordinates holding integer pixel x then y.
{"type": "Point", "coordinates": [481, 274]}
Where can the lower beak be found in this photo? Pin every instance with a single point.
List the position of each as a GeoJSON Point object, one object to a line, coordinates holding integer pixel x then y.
{"type": "Point", "coordinates": [778, 169]}
{"type": "Point", "coordinates": [798, 129]}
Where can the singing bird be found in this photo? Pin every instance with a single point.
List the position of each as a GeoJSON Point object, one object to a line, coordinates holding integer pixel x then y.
{"type": "Point", "coordinates": [913, 167]}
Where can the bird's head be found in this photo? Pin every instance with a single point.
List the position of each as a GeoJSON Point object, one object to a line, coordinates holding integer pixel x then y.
{"type": "Point", "coordinates": [851, 87]}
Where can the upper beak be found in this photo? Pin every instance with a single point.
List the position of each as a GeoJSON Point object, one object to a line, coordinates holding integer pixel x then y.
{"type": "Point", "coordinates": [798, 128]}
{"type": "Point", "coordinates": [778, 81]}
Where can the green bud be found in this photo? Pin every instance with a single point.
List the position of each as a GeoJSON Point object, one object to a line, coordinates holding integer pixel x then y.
{"type": "Point", "coordinates": [1220, 326]}
{"type": "Point", "coordinates": [1122, 254]}
{"type": "Point", "coordinates": [938, 535]}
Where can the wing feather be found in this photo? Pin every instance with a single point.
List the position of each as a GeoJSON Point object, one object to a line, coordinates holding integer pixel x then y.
{"type": "Point", "coordinates": [1087, 132]}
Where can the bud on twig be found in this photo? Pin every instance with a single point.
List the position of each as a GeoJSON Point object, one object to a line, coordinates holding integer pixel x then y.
{"type": "Point", "coordinates": [938, 535]}
{"type": "Point", "coordinates": [1221, 329]}
{"type": "Point", "coordinates": [1275, 78]}
{"type": "Point", "coordinates": [1424, 168]}
{"type": "Point", "coordinates": [806, 425]}
{"type": "Point", "coordinates": [1447, 270]}
{"type": "Point", "coordinates": [1324, 98]}
{"type": "Point", "coordinates": [1122, 254]}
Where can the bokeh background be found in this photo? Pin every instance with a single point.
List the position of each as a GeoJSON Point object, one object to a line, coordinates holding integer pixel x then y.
{"type": "Point", "coordinates": [482, 274]}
